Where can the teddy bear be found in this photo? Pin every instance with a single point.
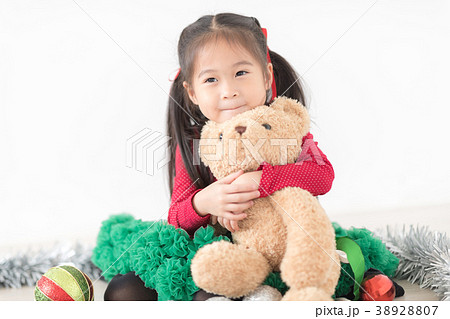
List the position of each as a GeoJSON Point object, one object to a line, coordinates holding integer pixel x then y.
{"type": "Point", "coordinates": [287, 231]}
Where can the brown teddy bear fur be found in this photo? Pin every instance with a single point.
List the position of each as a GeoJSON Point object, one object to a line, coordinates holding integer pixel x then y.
{"type": "Point", "coordinates": [287, 231]}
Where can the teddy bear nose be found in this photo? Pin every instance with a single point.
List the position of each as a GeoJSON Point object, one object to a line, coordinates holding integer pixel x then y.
{"type": "Point", "coordinates": [240, 129]}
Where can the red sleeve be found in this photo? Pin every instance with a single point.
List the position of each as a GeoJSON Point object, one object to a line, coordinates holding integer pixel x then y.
{"type": "Point", "coordinates": [312, 172]}
{"type": "Point", "coordinates": [181, 212]}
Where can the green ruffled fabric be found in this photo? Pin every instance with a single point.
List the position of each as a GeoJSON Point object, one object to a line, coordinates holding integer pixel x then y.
{"type": "Point", "coordinates": [158, 252]}
{"type": "Point", "coordinates": [161, 255]}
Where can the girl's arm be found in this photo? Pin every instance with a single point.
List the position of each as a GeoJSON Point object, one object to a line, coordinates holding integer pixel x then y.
{"type": "Point", "coordinates": [181, 211]}
{"type": "Point", "coordinates": [312, 172]}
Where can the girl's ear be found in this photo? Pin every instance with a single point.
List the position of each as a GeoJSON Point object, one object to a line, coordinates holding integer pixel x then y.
{"type": "Point", "coordinates": [270, 79]}
{"type": "Point", "coordinates": [190, 92]}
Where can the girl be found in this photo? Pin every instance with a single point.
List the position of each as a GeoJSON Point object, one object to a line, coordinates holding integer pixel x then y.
{"type": "Point", "coordinates": [225, 68]}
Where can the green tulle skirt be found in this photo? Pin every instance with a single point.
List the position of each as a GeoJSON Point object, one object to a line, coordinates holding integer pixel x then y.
{"type": "Point", "coordinates": [161, 255]}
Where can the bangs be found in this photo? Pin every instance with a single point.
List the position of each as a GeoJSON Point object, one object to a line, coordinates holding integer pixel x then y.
{"type": "Point", "coordinates": [237, 40]}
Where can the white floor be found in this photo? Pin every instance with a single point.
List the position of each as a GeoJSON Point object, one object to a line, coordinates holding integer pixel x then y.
{"type": "Point", "coordinates": [436, 217]}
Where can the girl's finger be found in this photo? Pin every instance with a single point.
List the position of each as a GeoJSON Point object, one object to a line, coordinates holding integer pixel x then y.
{"type": "Point", "coordinates": [233, 216]}
{"type": "Point", "coordinates": [234, 224]}
{"type": "Point", "coordinates": [220, 221]}
{"type": "Point", "coordinates": [242, 197]}
{"type": "Point", "coordinates": [238, 208]}
{"type": "Point", "coordinates": [227, 224]}
{"type": "Point", "coordinates": [230, 178]}
{"type": "Point", "coordinates": [241, 188]}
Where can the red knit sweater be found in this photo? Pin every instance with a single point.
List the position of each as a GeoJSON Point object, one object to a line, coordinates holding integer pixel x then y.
{"type": "Point", "coordinates": [312, 172]}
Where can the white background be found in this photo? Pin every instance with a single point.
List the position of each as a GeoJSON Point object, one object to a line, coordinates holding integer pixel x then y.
{"type": "Point", "coordinates": [78, 78]}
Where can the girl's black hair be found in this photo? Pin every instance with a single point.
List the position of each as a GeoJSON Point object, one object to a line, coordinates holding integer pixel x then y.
{"type": "Point", "coordinates": [184, 119]}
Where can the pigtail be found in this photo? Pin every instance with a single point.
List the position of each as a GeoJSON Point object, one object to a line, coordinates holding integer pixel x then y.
{"type": "Point", "coordinates": [184, 124]}
{"type": "Point", "coordinates": [287, 80]}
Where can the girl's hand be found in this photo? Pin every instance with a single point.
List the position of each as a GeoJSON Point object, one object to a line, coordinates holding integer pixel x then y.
{"type": "Point", "coordinates": [231, 225]}
{"type": "Point", "coordinates": [249, 179]}
{"type": "Point", "coordinates": [226, 200]}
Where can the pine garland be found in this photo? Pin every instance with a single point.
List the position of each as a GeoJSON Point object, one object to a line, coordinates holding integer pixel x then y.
{"type": "Point", "coordinates": [424, 256]}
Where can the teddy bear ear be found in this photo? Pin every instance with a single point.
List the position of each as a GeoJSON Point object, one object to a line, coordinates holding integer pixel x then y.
{"type": "Point", "coordinates": [289, 105]}
{"type": "Point", "coordinates": [293, 107]}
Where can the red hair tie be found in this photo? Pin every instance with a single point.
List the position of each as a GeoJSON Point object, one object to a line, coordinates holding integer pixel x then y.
{"type": "Point", "coordinates": [274, 87]}
{"type": "Point", "coordinates": [178, 73]}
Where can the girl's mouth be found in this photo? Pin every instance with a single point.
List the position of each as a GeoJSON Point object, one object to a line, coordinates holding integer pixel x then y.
{"type": "Point", "coordinates": [233, 108]}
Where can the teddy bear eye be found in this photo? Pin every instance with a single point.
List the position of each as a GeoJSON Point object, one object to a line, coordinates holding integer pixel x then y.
{"type": "Point", "coordinates": [220, 136]}
{"type": "Point", "coordinates": [267, 126]}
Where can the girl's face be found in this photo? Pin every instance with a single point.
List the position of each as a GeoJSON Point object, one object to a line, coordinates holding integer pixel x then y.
{"type": "Point", "coordinates": [227, 81]}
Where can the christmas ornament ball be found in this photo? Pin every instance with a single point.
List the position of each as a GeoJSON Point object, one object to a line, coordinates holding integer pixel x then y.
{"type": "Point", "coordinates": [64, 283]}
{"type": "Point", "coordinates": [378, 288]}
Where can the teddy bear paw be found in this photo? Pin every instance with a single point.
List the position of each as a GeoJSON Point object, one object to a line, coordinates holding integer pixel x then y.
{"type": "Point", "coordinates": [307, 294]}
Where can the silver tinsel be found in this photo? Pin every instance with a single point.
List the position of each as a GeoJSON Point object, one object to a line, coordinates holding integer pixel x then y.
{"type": "Point", "coordinates": [424, 256]}
{"type": "Point", "coordinates": [26, 268]}
{"type": "Point", "coordinates": [264, 293]}
{"type": "Point", "coordinates": [219, 298]}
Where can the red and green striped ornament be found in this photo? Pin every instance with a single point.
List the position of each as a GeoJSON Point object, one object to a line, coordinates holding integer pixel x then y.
{"type": "Point", "coordinates": [64, 283]}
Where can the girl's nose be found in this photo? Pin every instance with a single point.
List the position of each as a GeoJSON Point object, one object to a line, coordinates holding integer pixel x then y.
{"type": "Point", "coordinates": [230, 94]}
{"type": "Point", "coordinates": [229, 90]}
{"type": "Point", "coordinates": [240, 129]}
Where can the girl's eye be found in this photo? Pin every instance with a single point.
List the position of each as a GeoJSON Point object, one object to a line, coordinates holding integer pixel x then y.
{"type": "Point", "coordinates": [220, 136]}
{"type": "Point", "coordinates": [267, 126]}
{"type": "Point", "coordinates": [208, 79]}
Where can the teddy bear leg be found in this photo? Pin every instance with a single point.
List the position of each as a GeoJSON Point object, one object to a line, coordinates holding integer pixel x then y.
{"type": "Point", "coordinates": [227, 269]}
{"type": "Point", "coordinates": [310, 266]}
{"type": "Point", "coordinates": [324, 292]}
{"type": "Point", "coordinates": [333, 275]}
